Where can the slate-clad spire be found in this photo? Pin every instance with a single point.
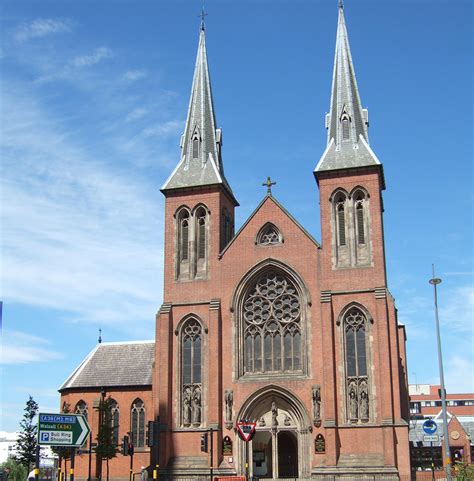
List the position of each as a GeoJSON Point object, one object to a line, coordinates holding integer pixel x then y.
{"type": "Point", "coordinates": [347, 122]}
{"type": "Point", "coordinates": [201, 142]}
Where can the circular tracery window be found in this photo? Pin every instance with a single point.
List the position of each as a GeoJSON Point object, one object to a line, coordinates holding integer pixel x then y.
{"type": "Point", "coordinates": [272, 325]}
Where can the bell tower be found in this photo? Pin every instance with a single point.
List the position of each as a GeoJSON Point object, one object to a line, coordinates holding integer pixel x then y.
{"type": "Point", "coordinates": [350, 176]}
{"type": "Point", "coordinates": [199, 201]}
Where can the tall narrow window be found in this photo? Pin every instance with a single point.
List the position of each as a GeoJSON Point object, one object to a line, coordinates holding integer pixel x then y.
{"type": "Point", "coordinates": [201, 236]}
{"type": "Point", "coordinates": [114, 420]}
{"type": "Point", "coordinates": [272, 326]}
{"type": "Point", "coordinates": [355, 326]}
{"type": "Point", "coordinates": [138, 423]}
{"type": "Point", "coordinates": [195, 148]}
{"type": "Point", "coordinates": [345, 124]}
{"type": "Point", "coordinates": [341, 223]}
{"type": "Point", "coordinates": [360, 222]}
{"type": "Point", "coordinates": [183, 235]}
{"type": "Point", "coordinates": [191, 384]}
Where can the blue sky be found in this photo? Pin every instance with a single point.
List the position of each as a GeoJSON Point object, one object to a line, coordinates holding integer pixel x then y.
{"type": "Point", "coordinates": [93, 102]}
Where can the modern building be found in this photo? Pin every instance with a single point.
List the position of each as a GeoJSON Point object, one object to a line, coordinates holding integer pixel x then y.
{"type": "Point", "coordinates": [425, 403]}
{"type": "Point", "coordinates": [266, 324]}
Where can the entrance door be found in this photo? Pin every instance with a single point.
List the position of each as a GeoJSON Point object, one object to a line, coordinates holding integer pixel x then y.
{"type": "Point", "coordinates": [262, 455]}
{"type": "Point", "coordinates": [287, 455]}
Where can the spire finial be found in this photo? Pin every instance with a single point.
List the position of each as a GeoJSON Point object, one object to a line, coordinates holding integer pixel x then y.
{"type": "Point", "coordinates": [202, 15]}
{"type": "Point", "coordinates": [100, 336]}
{"type": "Point", "coordinates": [341, 4]}
{"type": "Point", "coordinates": [268, 184]}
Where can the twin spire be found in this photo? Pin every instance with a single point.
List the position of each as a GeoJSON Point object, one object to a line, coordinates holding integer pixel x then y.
{"type": "Point", "coordinates": [347, 122]}
{"type": "Point", "coordinates": [201, 143]}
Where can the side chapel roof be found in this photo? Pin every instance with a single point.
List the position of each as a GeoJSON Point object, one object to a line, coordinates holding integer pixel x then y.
{"type": "Point", "coordinates": [114, 364]}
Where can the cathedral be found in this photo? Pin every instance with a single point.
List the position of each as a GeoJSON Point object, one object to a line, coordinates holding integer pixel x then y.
{"type": "Point", "coordinates": [265, 325]}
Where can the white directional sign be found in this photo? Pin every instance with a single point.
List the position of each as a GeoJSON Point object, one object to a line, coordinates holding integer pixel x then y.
{"type": "Point", "coordinates": [430, 438]}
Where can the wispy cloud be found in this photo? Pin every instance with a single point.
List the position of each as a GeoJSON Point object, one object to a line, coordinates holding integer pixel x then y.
{"type": "Point", "coordinates": [41, 27]}
{"type": "Point", "coordinates": [80, 235]}
{"type": "Point", "coordinates": [460, 374]}
{"type": "Point", "coordinates": [136, 114]}
{"type": "Point", "coordinates": [22, 348]}
{"type": "Point", "coordinates": [166, 128]}
{"type": "Point", "coordinates": [133, 75]}
{"type": "Point", "coordinates": [97, 56]}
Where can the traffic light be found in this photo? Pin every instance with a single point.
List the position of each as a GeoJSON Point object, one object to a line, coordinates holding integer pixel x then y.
{"type": "Point", "coordinates": [204, 442]}
{"type": "Point", "coordinates": [150, 434]}
{"type": "Point", "coordinates": [125, 446]}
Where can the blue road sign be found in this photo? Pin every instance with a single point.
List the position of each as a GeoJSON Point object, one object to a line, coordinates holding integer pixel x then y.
{"type": "Point", "coordinates": [429, 426]}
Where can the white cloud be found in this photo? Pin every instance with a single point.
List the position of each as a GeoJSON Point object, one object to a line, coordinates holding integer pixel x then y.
{"type": "Point", "coordinates": [459, 374]}
{"type": "Point", "coordinates": [133, 75]}
{"type": "Point", "coordinates": [41, 27]}
{"type": "Point", "coordinates": [22, 348]}
{"type": "Point", "coordinates": [80, 235]}
{"type": "Point", "coordinates": [97, 56]}
{"type": "Point", "coordinates": [456, 308]}
{"type": "Point", "coordinates": [136, 114]}
{"type": "Point", "coordinates": [167, 128]}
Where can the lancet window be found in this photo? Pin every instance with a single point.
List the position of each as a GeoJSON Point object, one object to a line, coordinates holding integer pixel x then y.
{"type": "Point", "coordinates": [196, 141]}
{"type": "Point", "coordinates": [360, 216]}
{"type": "Point", "coordinates": [191, 373]}
{"type": "Point", "coordinates": [272, 326]}
{"type": "Point", "coordinates": [355, 346]}
{"type": "Point", "coordinates": [137, 423]}
{"type": "Point", "coordinates": [345, 124]}
{"type": "Point", "coordinates": [269, 235]}
{"type": "Point", "coordinates": [340, 202]}
{"type": "Point", "coordinates": [227, 228]}
{"type": "Point", "coordinates": [114, 420]}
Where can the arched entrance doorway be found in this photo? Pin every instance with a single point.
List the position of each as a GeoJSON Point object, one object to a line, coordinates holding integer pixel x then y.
{"type": "Point", "coordinates": [280, 447]}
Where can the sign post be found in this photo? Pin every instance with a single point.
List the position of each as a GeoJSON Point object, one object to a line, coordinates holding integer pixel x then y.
{"type": "Point", "coordinates": [69, 430]}
{"type": "Point", "coordinates": [430, 428]}
{"type": "Point", "coordinates": [246, 429]}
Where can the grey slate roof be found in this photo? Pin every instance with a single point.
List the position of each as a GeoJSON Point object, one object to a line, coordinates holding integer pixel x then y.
{"type": "Point", "coordinates": [114, 364]}
{"type": "Point", "coordinates": [354, 151]}
{"type": "Point", "coordinates": [207, 168]}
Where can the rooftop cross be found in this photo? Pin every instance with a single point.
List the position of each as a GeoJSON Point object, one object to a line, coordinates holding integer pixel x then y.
{"type": "Point", "coordinates": [341, 4]}
{"type": "Point", "coordinates": [100, 336]}
{"type": "Point", "coordinates": [202, 15]}
{"type": "Point", "coordinates": [268, 184]}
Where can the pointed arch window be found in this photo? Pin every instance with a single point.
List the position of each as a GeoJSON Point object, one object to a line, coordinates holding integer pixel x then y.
{"type": "Point", "coordinates": [272, 331]}
{"type": "Point", "coordinates": [195, 141]}
{"type": "Point", "coordinates": [226, 224]}
{"type": "Point", "coordinates": [201, 219]}
{"type": "Point", "coordinates": [183, 238]}
{"type": "Point", "coordinates": [81, 408]}
{"type": "Point", "coordinates": [355, 347]}
{"type": "Point", "coordinates": [345, 124]}
{"type": "Point", "coordinates": [360, 217]}
{"type": "Point", "coordinates": [268, 235]}
{"type": "Point", "coordinates": [340, 221]}
{"type": "Point", "coordinates": [114, 420]}
{"type": "Point", "coordinates": [191, 373]}
{"type": "Point", "coordinates": [137, 423]}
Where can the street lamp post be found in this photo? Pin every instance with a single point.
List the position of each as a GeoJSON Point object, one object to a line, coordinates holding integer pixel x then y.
{"type": "Point", "coordinates": [447, 461]}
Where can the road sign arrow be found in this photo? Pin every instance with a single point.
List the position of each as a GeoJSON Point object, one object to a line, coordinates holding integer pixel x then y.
{"type": "Point", "coordinates": [85, 430]}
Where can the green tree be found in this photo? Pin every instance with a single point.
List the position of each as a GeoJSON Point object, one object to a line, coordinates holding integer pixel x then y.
{"type": "Point", "coordinates": [18, 472]}
{"type": "Point", "coordinates": [106, 447]}
{"type": "Point", "coordinates": [27, 439]}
